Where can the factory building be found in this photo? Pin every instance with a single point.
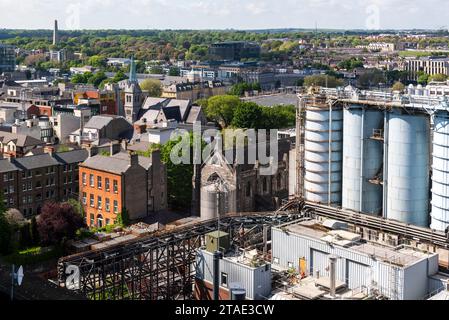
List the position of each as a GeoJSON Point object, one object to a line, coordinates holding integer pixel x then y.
{"type": "Point", "coordinates": [361, 268]}
{"type": "Point", "coordinates": [376, 153]}
{"type": "Point", "coordinates": [246, 269]}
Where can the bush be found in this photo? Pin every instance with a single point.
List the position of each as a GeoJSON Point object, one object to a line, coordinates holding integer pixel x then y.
{"type": "Point", "coordinates": [5, 235]}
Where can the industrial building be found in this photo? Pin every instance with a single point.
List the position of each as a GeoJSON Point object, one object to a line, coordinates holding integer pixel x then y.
{"type": "Point", "coordinates": [247, 269]}
{"type": "Point", "coordinates": [376, 153]}
{"type": "Point", "coordinates": [364, 268]}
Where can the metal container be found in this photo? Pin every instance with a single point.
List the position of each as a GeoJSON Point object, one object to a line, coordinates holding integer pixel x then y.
{"type": "Point", "coordinates": [209, 200]}
{"type": "Point", "coordinates": [440, 176]}
{"type": "Point", "coordinates": [323, 144]}
{"type": "Point", "coordinates": [362, 160]}
{"type": "Point", "coordinates": [408, 169]}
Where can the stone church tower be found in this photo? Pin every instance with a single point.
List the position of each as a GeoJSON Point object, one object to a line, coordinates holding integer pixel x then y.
{"type": "Point", "coordinates": [133, 95]}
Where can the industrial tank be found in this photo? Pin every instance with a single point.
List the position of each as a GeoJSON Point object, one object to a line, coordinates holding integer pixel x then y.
{"type": "Point", "coordinates": [209, 201]}
{"type": "Point", "coordinates": [440, 176]}
{"type": "Point", "coordinates": [408, 167]}
{"type": "Point", "coordinates": [323, 147]}
{"type": "Point", "coordinates": [362, 159]}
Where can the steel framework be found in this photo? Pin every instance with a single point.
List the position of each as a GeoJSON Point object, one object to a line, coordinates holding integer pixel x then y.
{"type": "Point", "coordinates": [161, 266]}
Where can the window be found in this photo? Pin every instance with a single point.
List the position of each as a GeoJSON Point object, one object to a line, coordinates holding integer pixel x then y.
{"type": "Point", "coordinates": [265, 184]}
{"type": "Point", "coordinates": [84, 178]}
{"type": "Point", "coordinates": [99, 200]}
{"type": "Point", "coordinates": [5, 177]}
{"type": "Point", "coordinates": [115, 186]}
{"type": "Point", "coordinates": [91, 180]}
{"type": "Point", "coordinates": [38, 184]}
{"type": "Point", "coordinates": [99, 182]}
{"type": "Point", "coordinates": [108, 222]}
{"type": "Point", "coordinates": [24, 174]}
{"type": "Point", "coordinates": [92, 219]}
{"type": "Point", "coordinates": [91, 200]}
{"type": "Point", "coordinates": [248, 189]}
{"type": "Point", "coordinates": [38, 172]}
{"type": "Point", "coordinates": [11, 201]}
{"type": "Point", "coordinates": [224, 279]}
{"type": "Point", "coordinates": [84, 198]}
{"type": "Point", "coordinates": [30, 199]}
{"type": "Point", "coordinates": [24, 200]}
{"type": "Point", "coordinates": [106, 182]}
{"type": "Point", "coordinates": [30, 174]}
{"type": "Point", "coordinates": [47, 183]}
{"type": "Point", "coordinates": [11, 189]}
{"type": "Point", "coordinates": [30, 186]}
{"type": "Point", "coordinates": [107, 205]}
{"type": "Point", "coordinates": [10, 176]}
{"type": "Point", "coordinates": [24, 187]}
{"type": "Point", "coordinates": [5, 190]}
{"type": "Point", "coordinates": [115, 206]}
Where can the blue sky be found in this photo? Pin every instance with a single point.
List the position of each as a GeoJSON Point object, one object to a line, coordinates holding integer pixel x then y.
{"type": "Point", "coordinates": [222, 14]}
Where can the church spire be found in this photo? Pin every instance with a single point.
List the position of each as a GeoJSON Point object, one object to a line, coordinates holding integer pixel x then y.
{"type": "Point", "coordinates": [132, 71]}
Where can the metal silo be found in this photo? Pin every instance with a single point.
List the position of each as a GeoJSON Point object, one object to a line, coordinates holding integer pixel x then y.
{"type": "Point", "coordinates": [362, 159]}
{"type": "Point", "coordinates": [323, 151]}
{"type": "Point", "coordinates": [440, 175]}
{"type": "Point", "coordinates": [211, 194]}
{"type": "Point", "coordinates": [407, 183]}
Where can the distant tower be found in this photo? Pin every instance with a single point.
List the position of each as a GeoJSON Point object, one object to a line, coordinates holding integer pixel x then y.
{"type": "Point", "coordinates": [133, 95]}
{"type": "Point", "coordinates": [55, 33]}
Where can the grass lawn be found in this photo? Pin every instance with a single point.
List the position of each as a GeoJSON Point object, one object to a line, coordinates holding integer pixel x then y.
{"type": "Point", "coordinates": [33, 255]}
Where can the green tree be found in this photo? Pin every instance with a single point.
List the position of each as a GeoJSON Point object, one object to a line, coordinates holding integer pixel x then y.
{"type": "Point", "coordinates": [174, 72]}
{"type": "Point", "coordinates": [97, 61]}
{"type": "Point", "coordinates": [440, 77]}
{"type": "Point", "coordinates": [153, 87]}
{"type": "Point", "coordinates": [371, 78]}
{"type": "Point", "coordinates": [398, 86]}
{"type": "Point", "coordinates": [247, 115]}
{"type": "Point", "coordinates": [97, 78]}
{"type": "Point", "coordinates": [221, 109]}
{"type": "Point", "coordinates": [423, 78]}
{"type": "Point", "coordinates": [323, 81]}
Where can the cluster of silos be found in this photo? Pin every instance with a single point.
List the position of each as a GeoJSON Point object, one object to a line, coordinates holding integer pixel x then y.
{"type": "Point", "coordinates": [374, 161]}
{"type": "Point", "coordinates": [323, 151]}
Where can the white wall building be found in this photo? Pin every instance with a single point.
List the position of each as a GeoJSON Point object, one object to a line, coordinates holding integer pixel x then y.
{"type": "Point", "coordinates": [399, 273]}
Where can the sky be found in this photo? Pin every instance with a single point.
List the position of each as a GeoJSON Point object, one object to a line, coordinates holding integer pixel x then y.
{"type": "Point", "coordinates": [224, 14]}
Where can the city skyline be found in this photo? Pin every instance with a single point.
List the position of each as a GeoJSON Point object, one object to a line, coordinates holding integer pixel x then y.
{"type": "Point", "coordinates": [226, 14]}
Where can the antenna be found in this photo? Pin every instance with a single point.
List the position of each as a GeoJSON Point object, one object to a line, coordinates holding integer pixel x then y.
{"type": "Point", "coordinates": [16, 278]}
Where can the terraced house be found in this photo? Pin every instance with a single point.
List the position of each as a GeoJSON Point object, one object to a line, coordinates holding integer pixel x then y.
{"type": "Point", "coordinates": [109, 185]}
{"type": "Point", "coordinates": [28, 182]}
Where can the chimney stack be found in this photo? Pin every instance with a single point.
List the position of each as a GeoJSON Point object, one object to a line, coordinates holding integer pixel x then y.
{"type": "Point", "coordinates": [133, 158]}
{"type": "Point", "coordinates": [55, 33]}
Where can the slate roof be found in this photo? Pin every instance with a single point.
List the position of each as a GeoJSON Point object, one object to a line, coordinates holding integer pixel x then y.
{"type": "Point", "coordinates": [118, 163]}
{"type": "Point", "coordinates": [20, 140]}
{"type": "Point", "coordinates": [172, 113]}
{"type": "Point", "coordinates": [43, 160]}
{"type": "Point", "coordinates": [99, 122]}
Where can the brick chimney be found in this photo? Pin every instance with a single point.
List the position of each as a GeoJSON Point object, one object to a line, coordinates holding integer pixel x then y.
{"type": "Point", "coordinates": [133, 158]}
{"type": "Point", "coordinates": [50, 150]}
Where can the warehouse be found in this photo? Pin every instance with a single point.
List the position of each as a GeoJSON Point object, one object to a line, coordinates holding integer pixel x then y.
{"type": "Point", "coordinates": [398, 273]}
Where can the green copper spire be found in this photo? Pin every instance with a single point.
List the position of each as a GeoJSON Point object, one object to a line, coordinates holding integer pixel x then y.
{"type": "Point", "coordinates": [132, 71]}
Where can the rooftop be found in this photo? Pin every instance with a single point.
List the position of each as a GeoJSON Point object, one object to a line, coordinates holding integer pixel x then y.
{"type": "Point", "coordinates": [401, 256]}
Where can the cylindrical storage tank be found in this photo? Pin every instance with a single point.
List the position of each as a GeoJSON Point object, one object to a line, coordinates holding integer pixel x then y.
{"type": "Point", "coordinates": [323, 146]}
{"type": "Point", "coordinates": [362, 160]}
{"type": "Point", "coordinates": [208, 202]}
{"type": "Point", "coordinates": [440, 175]}
{"type": "Point", "coordinates": [408, 169]}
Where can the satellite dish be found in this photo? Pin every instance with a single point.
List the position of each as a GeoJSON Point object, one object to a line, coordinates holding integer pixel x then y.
{"type": "Point", "coordinates": [20, 275]}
